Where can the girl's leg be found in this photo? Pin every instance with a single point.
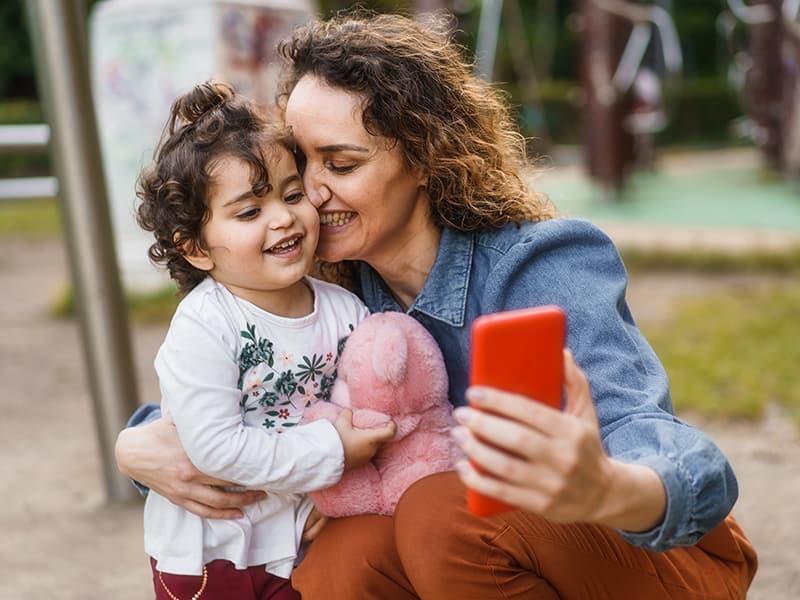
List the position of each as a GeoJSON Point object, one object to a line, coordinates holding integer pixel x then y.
{"type": "Point", "coordinates": [449, 553]}
{"type": "Point", "coordinates": [353, 558]}
{"type": "Point", "coordinates": [222, 581]}
{"type": "Point", "coordinates": [271, 587]}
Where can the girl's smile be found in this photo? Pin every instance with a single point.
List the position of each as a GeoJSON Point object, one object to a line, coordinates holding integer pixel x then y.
{"type": "Point", "coordinates": [260, 247]}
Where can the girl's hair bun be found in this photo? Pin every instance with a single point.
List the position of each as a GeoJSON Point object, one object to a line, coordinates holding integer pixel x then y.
{"type": "Point", "coordinates": [200, 101]}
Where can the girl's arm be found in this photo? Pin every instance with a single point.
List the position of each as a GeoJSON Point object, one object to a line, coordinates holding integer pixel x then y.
{"type": "Point", "coordinates": [151, 454]}
{"type": "Point", "coordinates": [198, 374]}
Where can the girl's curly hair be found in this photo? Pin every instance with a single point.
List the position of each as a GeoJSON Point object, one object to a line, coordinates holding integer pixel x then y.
{"type": "Point", "coordinates": [420, 90]}
{"type": "Point", "coordinates": [206, 124]}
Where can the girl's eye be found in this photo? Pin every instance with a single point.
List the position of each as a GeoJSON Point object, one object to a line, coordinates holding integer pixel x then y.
{"type": "Point", "coordinates": [248, 214]}
{"type": "Point", "coordinates": [294, 197]}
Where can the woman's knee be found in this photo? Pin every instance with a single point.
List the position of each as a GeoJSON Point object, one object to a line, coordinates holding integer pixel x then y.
{"type": "Point", "coordinates": [353, 557]}
{"type": "Point", "coordinates": [447, 552]}
{"type": "Point", "coordinates": [425, 515]}
{"type": "Point", "coordinates": [341, 552]}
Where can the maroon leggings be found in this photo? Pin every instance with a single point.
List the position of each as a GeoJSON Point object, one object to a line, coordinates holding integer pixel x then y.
{"type": "Point", "coordinates": [223, 582]}
{"type": "Point", "coordinates": [435, 549]}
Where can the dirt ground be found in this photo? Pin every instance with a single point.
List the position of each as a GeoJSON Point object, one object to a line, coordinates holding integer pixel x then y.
{"type": "Point", "coordinates": [60, 539]}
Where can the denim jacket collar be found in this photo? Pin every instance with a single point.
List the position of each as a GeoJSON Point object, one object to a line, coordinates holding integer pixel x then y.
{"type": "Point", "coordinates": [444, 295]}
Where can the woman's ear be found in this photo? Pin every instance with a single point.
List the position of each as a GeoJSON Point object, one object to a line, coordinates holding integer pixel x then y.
{"type": "Point", "coordinates": [422, 177]}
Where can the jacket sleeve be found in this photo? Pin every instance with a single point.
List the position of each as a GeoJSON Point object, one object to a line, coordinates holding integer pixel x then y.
{"type": "Point", "coordinates": [198, 377]}
{"type": "Point", "coordinates": [574, 265]}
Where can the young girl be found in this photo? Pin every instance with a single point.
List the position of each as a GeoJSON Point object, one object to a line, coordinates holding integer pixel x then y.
{"type": "Point", "coordinates": [253, 342]}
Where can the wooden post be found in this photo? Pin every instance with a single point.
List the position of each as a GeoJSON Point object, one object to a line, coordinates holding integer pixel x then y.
{"type": "Point", "coordinates": [608, 147]}
{"type": "Point", "coordinates": [764, 83]}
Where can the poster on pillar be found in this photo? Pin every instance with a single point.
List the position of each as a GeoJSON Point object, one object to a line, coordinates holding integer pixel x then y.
{"type": "Point", "coordinates": [145, 53]}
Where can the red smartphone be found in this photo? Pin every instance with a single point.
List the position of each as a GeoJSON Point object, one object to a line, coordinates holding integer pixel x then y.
{"type": "Point", "coordinates": [520, 351]}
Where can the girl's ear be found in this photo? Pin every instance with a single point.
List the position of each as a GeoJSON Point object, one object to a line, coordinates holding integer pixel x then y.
{"type": "Point", "coordinates": [196, 256]}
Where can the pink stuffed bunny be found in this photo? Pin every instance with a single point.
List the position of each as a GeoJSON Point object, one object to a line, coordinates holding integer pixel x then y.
{"type": "Point", "coordinates": [390, 369]}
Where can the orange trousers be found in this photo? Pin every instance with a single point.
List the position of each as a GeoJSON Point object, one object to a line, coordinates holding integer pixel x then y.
{"type": "Point", "coordinates": [434, 549]}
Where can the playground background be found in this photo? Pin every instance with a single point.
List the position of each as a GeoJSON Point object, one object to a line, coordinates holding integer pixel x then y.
{"type": "Point", "coordinates": [60, 539]}
{"type": "Point", "coordinates": [692, 214]}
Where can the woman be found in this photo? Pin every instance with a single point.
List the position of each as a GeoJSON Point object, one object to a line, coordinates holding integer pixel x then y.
{"type": "Point", "coordinates": [417, 173]}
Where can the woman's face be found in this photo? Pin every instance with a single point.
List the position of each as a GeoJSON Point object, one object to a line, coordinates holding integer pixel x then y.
{"type": "Point", "coordinates": [371, 205]}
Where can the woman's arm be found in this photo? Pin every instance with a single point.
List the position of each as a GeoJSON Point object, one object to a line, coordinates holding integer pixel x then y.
{"type": "Point", "coordinates": [151, 454]}
{"type": "Point", "coordinates": [574, 265]}
{"type": "Point", "coordinates": [554, 463]}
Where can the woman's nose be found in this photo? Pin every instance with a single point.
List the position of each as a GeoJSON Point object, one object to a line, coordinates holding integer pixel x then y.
{"type": "Point", "coordinates": [316, 191]}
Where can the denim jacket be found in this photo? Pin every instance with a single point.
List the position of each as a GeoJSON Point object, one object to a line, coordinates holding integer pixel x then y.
{"type": "Point", "coordinates": [574, 265]}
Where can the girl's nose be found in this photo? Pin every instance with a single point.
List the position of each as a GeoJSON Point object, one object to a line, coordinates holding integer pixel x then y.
{"type": "Point", "coordinates": [282, 217]}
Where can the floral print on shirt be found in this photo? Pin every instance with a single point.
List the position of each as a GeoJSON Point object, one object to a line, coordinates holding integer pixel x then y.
{"type": "Point", "coordinates": [278, 394]}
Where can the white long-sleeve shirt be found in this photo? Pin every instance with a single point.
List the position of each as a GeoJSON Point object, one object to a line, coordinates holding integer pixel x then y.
{"type": "Point", "coordinates": [236, 380]}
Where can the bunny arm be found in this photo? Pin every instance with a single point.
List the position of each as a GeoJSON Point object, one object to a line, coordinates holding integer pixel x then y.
{"type": "Point", "coordinates": [357, 493]}
{"type": "Point", "coordinates": [366, 418]}
{"type": "Point", "coordinates": [321, 410]}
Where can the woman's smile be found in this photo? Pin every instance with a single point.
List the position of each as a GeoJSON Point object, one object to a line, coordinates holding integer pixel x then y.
{"type": "Point", "coordinates": [372, 206]}
{"type": "Point", "coordinates": [336, 219]}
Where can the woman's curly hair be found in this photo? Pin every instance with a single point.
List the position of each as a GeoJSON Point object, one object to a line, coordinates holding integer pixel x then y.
{"type": "Point", "coordinates": [208, 123]}
{"type": "Point", "coordinates": [419, 90]}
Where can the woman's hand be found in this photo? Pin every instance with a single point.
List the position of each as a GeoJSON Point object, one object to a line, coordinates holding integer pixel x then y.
{"type": "Point", "coordinates": [314, 524]}
{"type": "Point", "coordinates": [554, 463]}
{"type": "Point", "coordinates": [152, 455]}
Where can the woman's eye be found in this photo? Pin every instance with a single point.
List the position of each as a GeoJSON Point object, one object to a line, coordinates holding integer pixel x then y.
{"type": "Point", "coordinates": [341, 168]}
{"type": "Point", "coordinates": [248, 214]}
{"type": "Point", "coordinates": [294, 197]}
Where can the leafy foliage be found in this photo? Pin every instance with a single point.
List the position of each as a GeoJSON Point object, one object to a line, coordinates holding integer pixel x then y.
{"type": "Point", "coordinates": [17, 78]}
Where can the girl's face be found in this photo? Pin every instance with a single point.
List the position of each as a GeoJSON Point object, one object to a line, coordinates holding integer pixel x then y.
{"type": "Point", "coordinates": [371, 204]}
{"type": "Point", "coordinates": [259, 247]}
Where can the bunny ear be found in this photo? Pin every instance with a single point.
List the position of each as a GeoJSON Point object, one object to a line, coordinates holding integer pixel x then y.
{"type": "Point", "coordinates": [390, 352]}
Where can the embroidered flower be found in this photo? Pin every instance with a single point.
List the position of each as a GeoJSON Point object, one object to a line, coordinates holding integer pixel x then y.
{"type": "Point", "coordinates": [286, 383]}
{"type": "Point", "coordinates": [310, 368]}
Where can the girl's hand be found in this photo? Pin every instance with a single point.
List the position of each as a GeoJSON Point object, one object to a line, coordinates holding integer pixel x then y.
{"type": "Point", "coordinates": [152, 455]}
{"type": "Point", "coordinates": [554, 463]}
{"type": "Point", "coordinates": [314, 524]}
{"type": "Point", "coordinates": [360, 445]}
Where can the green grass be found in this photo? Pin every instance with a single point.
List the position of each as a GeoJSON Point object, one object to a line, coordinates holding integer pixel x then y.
{"type": "Point", "coordinates": [785, 261]}
{"type": "Point", "coordinates": [143, 308]}
{"type": "Point", "coordinates": [29, 218]}
{"type": "Point", "coordinates": [732, 354]}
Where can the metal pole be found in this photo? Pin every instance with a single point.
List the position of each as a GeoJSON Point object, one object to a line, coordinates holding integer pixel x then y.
{"type": "Point", "coordinates": [488, 32]}
{"type": "Point", "coordinates": [57, 28]}
{"type": "Point", "coordinates": [24, 139]}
